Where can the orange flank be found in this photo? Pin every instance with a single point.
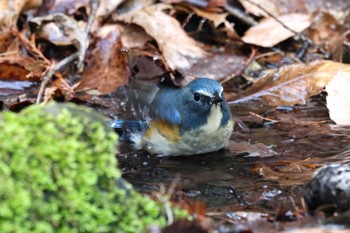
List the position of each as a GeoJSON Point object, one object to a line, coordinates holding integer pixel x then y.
{"type": "Point", "coordinates": [169, 131]}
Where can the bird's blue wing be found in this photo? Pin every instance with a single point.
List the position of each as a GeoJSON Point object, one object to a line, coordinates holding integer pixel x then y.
{"type": "Point", "coordinates": [164, 106]}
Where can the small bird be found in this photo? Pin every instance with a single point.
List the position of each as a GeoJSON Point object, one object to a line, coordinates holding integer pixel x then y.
{"type": "Point", "coordinates": [194, 119]}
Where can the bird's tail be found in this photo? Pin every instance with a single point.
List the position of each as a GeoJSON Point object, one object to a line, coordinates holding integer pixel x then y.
{"type": "Point", "coordinates": [126, 128]}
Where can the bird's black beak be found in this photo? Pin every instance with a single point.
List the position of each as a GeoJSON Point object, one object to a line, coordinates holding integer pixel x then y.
{"type": "Point", "coordinates": [217, 99]}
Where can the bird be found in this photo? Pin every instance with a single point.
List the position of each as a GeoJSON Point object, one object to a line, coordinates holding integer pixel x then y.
{"type": "Point", "coordinates": [193, 119]}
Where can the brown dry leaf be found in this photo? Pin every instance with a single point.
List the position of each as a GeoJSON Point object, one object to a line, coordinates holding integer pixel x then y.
{"type": "Point", "coordinates": [107, 7]}
{"type": "Point", "coordinates": [20, 69]}
{"type": "Point", "coordinates": [8, 43]}
{"type": "Point", "coordinates": [216, 18]}
{"type": "Point", "coordinates": [324, 27]}
{"type": "Point", "coordinates": [133, 36]}
{"type": "Point", "coordinates": [61, 84]}
{"type": "Point", "coordinates": [18, 75]}
{"type": "Point", "coordinates": [338, 8]}
{"type": "Point", "coordinates": [270, 5]}
{"type": "Point", "coordinates": [287, 173]}
{"type": "Point", "coordinates": [10, 10]}
{"type": "Point", "coordinates": [179, 50]}
{"type": "Point", "coordinates": [268, 32]}
{"type": "Point", "coordinates": [61, 29]}
{"type": "Point", "coordinates": [107, 65]}
{"type": "Point", "coordinates": [316, 230]}
{"type": "Point", "coordinates": [64, 6]}
{"type": "Point", "coordinates": [338, 98]}
{"type": "Point", "coordinates": [288, 86]}
{"type": "Point", "coordinates": [48, 94]}
{"type": "Point", "coordinates": [253, 150]}
{"type": "Point", "coordinates": [337, 45]}
{"type": "Point", "coordinates": [221, 65]}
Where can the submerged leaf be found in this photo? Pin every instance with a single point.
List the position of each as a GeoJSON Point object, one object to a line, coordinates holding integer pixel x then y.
{"type": "Point", "coordinates": [288, 86]}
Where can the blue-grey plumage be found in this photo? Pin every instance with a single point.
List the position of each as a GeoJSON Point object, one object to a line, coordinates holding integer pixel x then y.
{"type": "Point", "coordinates": [194, 119]}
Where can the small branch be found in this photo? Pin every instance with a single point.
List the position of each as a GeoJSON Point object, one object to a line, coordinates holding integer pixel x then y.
{"type": "Point", "coordinates": [242, 16]}
{"type": "Point", "coordinates": [94, 4]}
{"type": "Point", "coordinates": [51, 72]}
{"type": "Point", "coordinates": [288, 122]}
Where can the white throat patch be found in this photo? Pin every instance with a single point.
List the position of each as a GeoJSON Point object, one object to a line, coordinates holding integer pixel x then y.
{"type": "Point", "coordinates": [214, 120]}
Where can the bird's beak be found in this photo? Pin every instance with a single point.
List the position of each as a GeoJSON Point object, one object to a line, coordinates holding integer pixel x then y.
{"type": "Point", "coordinates": [217, 99]}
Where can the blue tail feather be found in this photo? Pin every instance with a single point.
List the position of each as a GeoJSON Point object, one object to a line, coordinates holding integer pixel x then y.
{"type": "Point", "coordinates": [126, 127]}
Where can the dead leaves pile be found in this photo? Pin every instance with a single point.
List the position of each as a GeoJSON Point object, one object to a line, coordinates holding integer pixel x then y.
{"type": "Point", "coordinates": [267, 53]}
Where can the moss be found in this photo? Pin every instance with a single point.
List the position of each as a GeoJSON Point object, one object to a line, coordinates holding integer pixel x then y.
{"type": "Point", "coordinates": [58, 174]}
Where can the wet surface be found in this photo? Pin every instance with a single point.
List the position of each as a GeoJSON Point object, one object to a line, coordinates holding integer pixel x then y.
{"type": "Point", "coordinates": [263, 169]}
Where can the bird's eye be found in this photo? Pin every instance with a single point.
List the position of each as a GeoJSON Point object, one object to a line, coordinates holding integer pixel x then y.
{"type": "Point", "coordinates": [196, 96]}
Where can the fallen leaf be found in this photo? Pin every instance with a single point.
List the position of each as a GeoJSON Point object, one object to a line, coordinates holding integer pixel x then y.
{"type": "Point", "coordinates": [145, 67]}
{"type": "Point", "coordinates": [61, 29]}
{"type": "Point", "coordinates": [338, 8]}
{"type": "Point", "coordinates": [21, 69]}
{"type": "Point", "coordinates": [6, 39]}
{"type": "Point", "coordinates": [287, 173]}
{"type": "Point", "coordinates": [106, 7]}
{"type": "Point", "coordinates": [216, 18]}
{"type": "Point", "coordinates": [63, 6]}
{"type": "Point", "coordinates": [184, 225]}
{"type": "Point", "coordinates": [134, 5]}
{"type": "Point", "coordinates": [10, 10]}
{"type": "Point", "coordinates": [268, 32]}
{"type": "Point", "coordinates": [61, 84]}
{"type": "Point", "coordinates": [324, 27]}
{"type": "Point", "coordinates": [219, 65]}
{"type": "Point", "coordinates": [252, 150]}
{"type": "Point", "coordinates": [133, 36]}
{"type": "Point", "coordinates": [179, 50]}
{"type": "Point", "coordinates": [337, 45]}
{"type": "Point", "coordinates": [16, 76]}
{"type": "Point", "coordinates": [270, 5]}
{"type": "Point", "coordinates": [316, 229]}
{"type": "Point", "coordinates": [289, 86]}
{"type": "Point", "coordinates": [338, 98]}
{"type": "Point", "coordinates": [106, 67]}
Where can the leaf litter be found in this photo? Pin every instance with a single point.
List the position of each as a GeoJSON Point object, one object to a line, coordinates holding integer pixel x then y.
{"type": "Point", "coordinates": [283, 66]}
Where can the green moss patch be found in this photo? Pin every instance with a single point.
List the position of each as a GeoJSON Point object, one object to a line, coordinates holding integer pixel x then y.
{"type": "Point", "coordinates": [59, 173]}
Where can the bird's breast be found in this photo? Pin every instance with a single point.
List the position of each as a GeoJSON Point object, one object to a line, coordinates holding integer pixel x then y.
{"type": "Point", "coordinates": [213, 121]}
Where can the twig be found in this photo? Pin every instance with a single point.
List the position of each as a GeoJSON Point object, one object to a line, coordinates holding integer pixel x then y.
{"type": "Point", "coordinates": [49, 74]}
{"type": "Point", "coordinates": [294, 122]}
{"type": "Point", "coordinates": [164, 199]}
{"type": "Point", "coordinates": [94, 4]}
{"type": "Point", "coordinates": [263, 118]}
{"type": "Point", "coordinates": [242, 16]}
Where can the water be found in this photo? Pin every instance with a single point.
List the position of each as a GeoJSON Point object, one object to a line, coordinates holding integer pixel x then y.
{"type": "Point", "coordinates": [264, 168]}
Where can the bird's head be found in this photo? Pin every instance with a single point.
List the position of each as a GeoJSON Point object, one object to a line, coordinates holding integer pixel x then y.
{"type": "Point", "coordinates": [198, 99]}
{"type": "Point", "coordinates": [201, 94]}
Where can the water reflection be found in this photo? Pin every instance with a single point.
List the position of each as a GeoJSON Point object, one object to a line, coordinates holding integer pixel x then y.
{"type": "Point", "coordinates": [232, 179]}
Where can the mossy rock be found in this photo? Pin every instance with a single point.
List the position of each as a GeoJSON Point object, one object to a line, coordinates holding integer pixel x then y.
{"type": "Point", "coordinates": [59, 173]}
